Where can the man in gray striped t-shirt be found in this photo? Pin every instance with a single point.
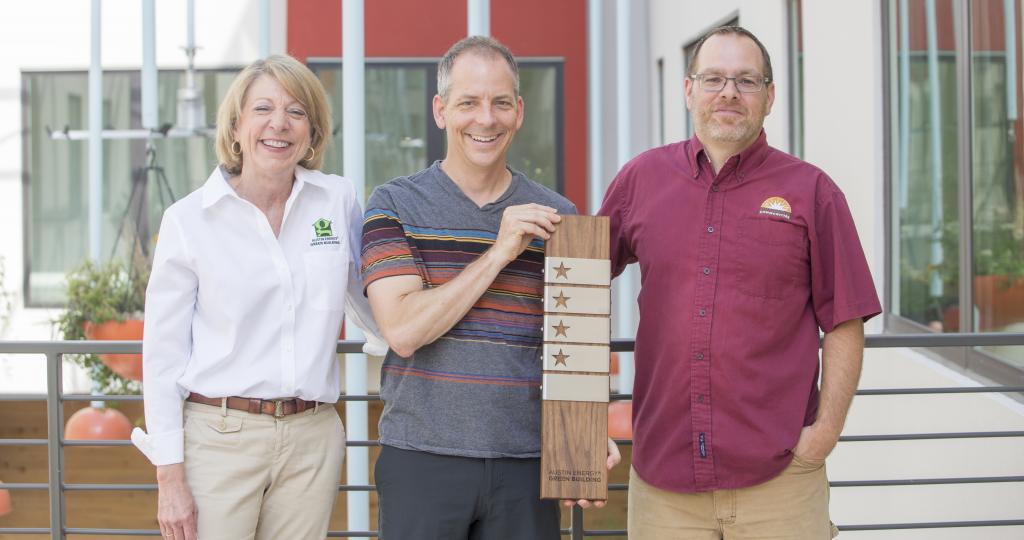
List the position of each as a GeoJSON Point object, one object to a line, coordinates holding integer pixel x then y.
{"type": "Point", "coordinates": [452, 261]}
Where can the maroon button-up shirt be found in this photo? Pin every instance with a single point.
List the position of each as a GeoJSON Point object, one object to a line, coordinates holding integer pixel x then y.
{"type": "Point", "coordinates": [739, 270]}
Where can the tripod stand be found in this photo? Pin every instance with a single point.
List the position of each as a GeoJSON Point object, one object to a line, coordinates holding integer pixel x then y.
{"type": "Point", "coordinates": [137, 209]}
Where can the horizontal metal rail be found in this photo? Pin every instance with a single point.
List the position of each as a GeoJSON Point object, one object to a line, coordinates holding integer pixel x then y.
{"type": "Point", "coordinates": [54, 349]}
{"type": "Point", "coordinates": [871, 341]}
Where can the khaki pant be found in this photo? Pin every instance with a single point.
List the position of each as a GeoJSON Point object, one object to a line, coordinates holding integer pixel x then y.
{"type": "Point", "coordinates": [791, 506]}
{"type": "Point", "coordinates": [254, 476]}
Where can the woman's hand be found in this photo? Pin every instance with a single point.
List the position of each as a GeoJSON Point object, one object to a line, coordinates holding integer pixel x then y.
{"type": "Point", "coordinates": [176, 509]}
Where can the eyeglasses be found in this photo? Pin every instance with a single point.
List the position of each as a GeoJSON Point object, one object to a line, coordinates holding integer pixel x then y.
{"type": "Point", "coordinates": [747, 84]}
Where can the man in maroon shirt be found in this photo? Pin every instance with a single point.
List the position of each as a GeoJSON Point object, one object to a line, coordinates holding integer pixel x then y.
{"type": "Point", "coordinates": [745, 252]}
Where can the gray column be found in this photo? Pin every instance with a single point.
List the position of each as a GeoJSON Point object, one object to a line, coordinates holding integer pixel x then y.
{"type": "Point", "coordinates": [96, 136]}
{"type": "Point", "coordinates": [354, 156]}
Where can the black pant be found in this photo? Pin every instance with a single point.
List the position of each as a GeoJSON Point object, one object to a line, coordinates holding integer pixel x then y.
{"type": "Point", "coordinates": [423, 496]}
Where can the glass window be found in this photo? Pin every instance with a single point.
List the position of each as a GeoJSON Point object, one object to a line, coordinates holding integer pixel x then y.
{"type": "Point", "coordinates": [926, 222]}
{"type": "Point", "coordinates": [58, 170]}
{"type": "Point", "coordinates": [57, 220]}
{"type": "Point", "coordinates": [537, 148]}
{"type": "Point", "coordinates": [402, 138]}
{"type": "Point", "coordinates": [998, 172]}
{"type": "Point", "coordinates": [397, 115]}
{"type": "Point", "coordinates": [931, 170]}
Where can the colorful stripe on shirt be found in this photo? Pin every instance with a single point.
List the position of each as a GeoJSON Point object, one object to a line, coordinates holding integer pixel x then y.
{"type": "Point", "coordinates": [461, 377]}
{"type": "Point", "coordinates": [510, 312]}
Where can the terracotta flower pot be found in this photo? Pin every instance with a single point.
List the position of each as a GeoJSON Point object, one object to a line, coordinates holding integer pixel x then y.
{"type": "Point", "coordinates": [1000, 301]}
{"type": "Point", "coordinates": [92, 423]}
{"type": "Point", "coordinates": [6, 507]}
{"type": "Point", "coordinates": [620, 419]}
{"type": "Point", "coordinates": [128, 366]}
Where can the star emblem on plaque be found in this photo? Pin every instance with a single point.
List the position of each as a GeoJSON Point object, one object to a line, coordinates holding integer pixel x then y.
{"type": "Point", "coordinates": [574, 406]}
{"type": "Point", "coordinates": [562, 300]}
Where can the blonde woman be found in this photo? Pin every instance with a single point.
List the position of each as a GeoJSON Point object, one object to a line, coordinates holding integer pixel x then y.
{"type": "Point", "coordinates": [252, 276]}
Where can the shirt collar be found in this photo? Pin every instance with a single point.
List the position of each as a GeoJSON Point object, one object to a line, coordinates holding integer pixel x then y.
{"type": "Point", "coordinates": [217, 186]}
{"type": "Point", "coordinates": [748, 159]}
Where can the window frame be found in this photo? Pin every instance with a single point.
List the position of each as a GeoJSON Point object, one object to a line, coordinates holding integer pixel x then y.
{"type": "Point", "coordinates": [969, 359]}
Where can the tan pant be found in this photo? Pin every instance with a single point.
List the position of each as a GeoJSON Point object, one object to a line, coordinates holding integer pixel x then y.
{"type": "Point", "coordinates": [257, 477]}
{"type": "Point", "coordinates": [791, 506]}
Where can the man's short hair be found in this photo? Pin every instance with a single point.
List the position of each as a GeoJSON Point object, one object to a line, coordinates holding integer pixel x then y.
{"type": "Point", "coordinates": [736, 31]}
{"type": "Point", "coordinates": [482, 45]}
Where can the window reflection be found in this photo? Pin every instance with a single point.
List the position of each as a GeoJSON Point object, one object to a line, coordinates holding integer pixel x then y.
{"type": "Point", "coordinates": [401, 138]}
{"type": "Point", "coordinates": [998, 172]}
{"type": "Point", "coordinates": [925, 198]}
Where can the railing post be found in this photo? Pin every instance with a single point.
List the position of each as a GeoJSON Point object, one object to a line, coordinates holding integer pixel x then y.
{"type": "Point", "coordinates": [576, 523]}
{"type": "Point", "coordinates": [55, 442]}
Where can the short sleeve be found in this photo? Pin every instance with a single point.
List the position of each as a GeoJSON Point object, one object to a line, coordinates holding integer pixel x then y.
{"type": "Point", "coordinates": [616, 207]}
{"type": "Point", "coordinates": [841, 284]}
{"type": "Point", "coordinates": [386, 251]}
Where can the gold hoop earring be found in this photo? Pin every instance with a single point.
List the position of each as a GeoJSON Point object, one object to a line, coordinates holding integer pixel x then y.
{"type": "Point", "coordinates": [312, 154]}
{"type": "Point", "coordinates": [236, 152]}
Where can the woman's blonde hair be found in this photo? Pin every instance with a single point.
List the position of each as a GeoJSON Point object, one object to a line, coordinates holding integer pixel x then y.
{"type": "Point", "coordinates": [298, 81]}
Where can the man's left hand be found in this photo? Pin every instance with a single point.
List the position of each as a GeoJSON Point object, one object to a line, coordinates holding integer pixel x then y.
{"type": "Point", "coordinates": [816, 443]}
{"type": "Point", "coordinates": [613, 459]}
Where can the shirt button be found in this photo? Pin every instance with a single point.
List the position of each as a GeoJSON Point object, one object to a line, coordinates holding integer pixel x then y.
{"type": "Point", "coordinates": [707, 271]}
{"type": "Point", "coordinates": [700, 398]}
{"type": "Point", "coordinates": [700, 356]}
{"type": "Point", "coordinates": [711, 229]}
{"type": "Point", "coordinates": [702, 312]}
{"type": "Point", "coordinates": [714, 187]}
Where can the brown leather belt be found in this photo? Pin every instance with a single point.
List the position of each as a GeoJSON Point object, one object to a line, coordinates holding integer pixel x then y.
{"type": "Point", "coordinates": [274, 407]}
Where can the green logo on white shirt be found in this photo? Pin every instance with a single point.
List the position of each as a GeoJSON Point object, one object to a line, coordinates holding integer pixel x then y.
{"type": "Point", "coordinates": [322, 227]}
{"type": "Point", "coordinates": [323, 234]}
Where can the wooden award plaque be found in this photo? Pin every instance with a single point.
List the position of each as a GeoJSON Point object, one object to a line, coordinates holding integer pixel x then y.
{"type": "Point", "coordinates": [577, 333]}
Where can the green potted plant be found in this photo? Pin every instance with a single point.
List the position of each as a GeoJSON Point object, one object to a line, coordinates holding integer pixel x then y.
{"type": "Point", "coordinates": [999, 277]}
{"type": "Point", "coordinates": [106, 302]}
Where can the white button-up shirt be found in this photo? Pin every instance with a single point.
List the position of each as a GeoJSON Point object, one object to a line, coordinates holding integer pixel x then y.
{"type": "Point", "coordinates": [232, 310]}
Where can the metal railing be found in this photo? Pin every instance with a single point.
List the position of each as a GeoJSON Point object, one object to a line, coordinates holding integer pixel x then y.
{"type": "Point", "coordinates": [55, 442]}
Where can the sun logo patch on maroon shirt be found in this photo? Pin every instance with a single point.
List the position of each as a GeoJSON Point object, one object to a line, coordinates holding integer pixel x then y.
{"type": "Point", "coordinates": [776, 206]}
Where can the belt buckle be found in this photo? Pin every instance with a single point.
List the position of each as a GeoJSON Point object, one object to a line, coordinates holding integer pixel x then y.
{"type": "Point", "coordinates": [278, 408]}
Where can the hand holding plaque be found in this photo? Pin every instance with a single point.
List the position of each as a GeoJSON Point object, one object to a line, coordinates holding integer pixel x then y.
{"type": "Point", "coordinates": [577, 332]}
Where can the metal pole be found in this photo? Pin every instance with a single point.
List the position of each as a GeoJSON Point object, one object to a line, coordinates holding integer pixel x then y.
{"type": "Point", "coordinates": [190, 42]}
{"type": "Point", "coordinates": [354, 158]}
{"type": "Point", "coordinates": [264, 28]}
{"type": "Point", "coordinates": [935, 123]}
{"type": "Point", "coordinates": [595, 70]}
{"type": "Point", "coordinates": [904, 104]}
{"type": "Point", "coordinates": [576, 521]}
{"type": "Point", "coordinates": [96, 136]}
{"type": "Point", "coordinates": [1010, 39]}
{"type": "Point", "coordinates": [965, 153]}
{"type": "Point", "coordinates": [627, 280]}
{"type": "Point", "coordinates": [796, 120]}
{"type": "Point", "coordinates": [478, 17]}
{"type": "Point", "coordinates": [54, 433]}
{"type": "Point", "coordinates": [149, 89]}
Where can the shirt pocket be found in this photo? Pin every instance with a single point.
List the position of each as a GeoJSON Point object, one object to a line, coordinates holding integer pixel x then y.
{"type": "Point", "coordinates": [773, 259]}
{"type": "Point", "coordinates": [326, 279]}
